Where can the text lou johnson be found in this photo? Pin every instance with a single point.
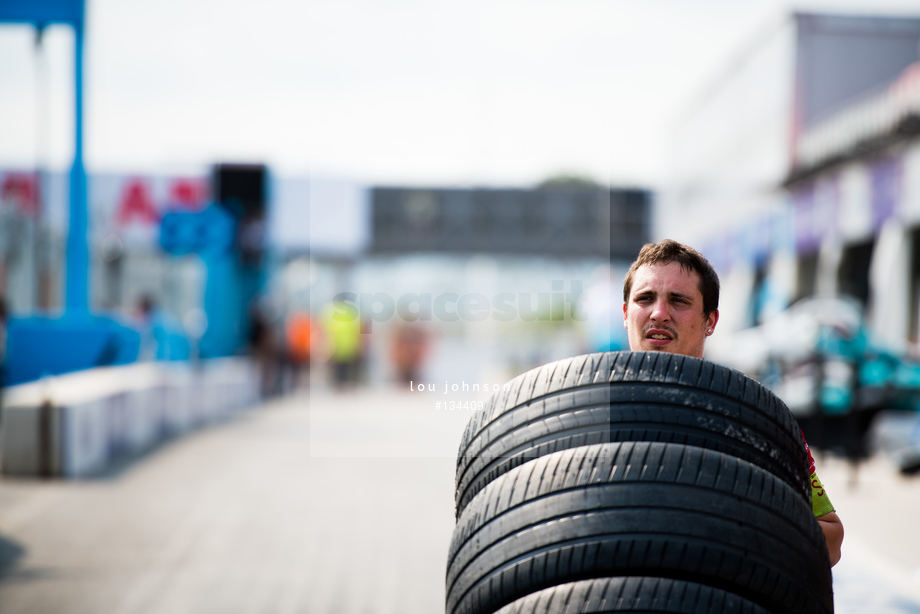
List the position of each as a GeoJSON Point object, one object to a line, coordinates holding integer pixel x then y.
{"type": "Point", "coordinates": [462, 386]}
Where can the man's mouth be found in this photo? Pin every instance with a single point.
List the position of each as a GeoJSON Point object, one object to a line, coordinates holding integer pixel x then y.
{"type": "Point", "coordinates": [659, 335]}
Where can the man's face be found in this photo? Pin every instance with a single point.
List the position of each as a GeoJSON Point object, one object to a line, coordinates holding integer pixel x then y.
{"type": "Point", "coordinates": [665, 311]}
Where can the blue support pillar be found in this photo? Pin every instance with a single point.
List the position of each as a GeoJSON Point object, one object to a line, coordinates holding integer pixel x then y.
{"type": "Point", "coordinates": [76, 296]}
{"type": "Point", "coordinates": [41, 13]}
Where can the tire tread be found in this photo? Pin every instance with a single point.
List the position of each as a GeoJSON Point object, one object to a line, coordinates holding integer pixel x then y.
{"type": "Point", "coordinates": [558, 532]}
{"type": "Point", "coordinates": [562, 405]}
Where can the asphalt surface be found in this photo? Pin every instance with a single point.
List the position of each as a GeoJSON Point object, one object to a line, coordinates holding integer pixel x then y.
{"type": "Point", "coordinates": [324, 503]}
{"type": "Point", "coordinates": [879, 571]}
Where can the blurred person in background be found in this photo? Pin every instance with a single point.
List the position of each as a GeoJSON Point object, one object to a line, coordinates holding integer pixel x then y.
{"type": "Point", "coordinates": [299, 332]}
{"type": "Point", "coordinates": [342, 326]}
{"type": "Point", "coordinates": [144, 315]}
{"type": "Point", "coordinates": [409, 350]}
{"type": "Point", "coordinates": [671, 304]}
{"type": "Point", "coordinates": [263, 345]}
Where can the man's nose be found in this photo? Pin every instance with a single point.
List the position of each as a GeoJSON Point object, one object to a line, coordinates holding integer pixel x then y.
{"type": "Point", "coordinates": [660, 311]}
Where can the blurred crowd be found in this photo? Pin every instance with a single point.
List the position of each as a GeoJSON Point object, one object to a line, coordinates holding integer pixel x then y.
{"type": "Point", "coordinates": [331, 347]}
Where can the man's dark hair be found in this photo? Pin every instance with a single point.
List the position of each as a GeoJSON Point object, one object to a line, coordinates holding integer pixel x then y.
{"type": "Point", "coordinates": [668, 251]}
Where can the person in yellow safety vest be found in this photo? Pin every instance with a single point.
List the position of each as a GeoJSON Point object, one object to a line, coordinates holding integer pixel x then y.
{"type": "Point", "coordinates": [342, 325]}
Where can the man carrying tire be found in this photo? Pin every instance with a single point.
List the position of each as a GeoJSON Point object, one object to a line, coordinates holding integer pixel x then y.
{"type": "Point", "coordinates": [670, 304]}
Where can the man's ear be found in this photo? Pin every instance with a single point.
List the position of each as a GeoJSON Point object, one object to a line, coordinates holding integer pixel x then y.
{"type": "Point", "coordinates": [624, 315]}
{"type": "Point", "coordinates": [712, 319]}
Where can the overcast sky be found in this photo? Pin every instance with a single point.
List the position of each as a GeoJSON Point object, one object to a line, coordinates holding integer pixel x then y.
{"type": "Point", "coordinates": [384, 91]}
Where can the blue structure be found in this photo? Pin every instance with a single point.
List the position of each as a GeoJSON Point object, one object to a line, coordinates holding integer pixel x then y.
{"type": "Point", "coordinates": [232, 283]}
{"type": "Point", "coordinates": [222, 235]}
{"type": "Point", "coordinates": [77, 340]}
{"type": "Point", "coordinates": [42, 13]}
{"type": "Point", "coordinates": [235, 277]}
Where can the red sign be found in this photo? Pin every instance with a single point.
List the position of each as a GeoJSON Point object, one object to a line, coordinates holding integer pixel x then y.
{"type": "Point", "coordinates": [21, 189]}
{"type": "Point", "coordinates": [136, 204]}
{"type": "Point", "coordinates": [187, 194]}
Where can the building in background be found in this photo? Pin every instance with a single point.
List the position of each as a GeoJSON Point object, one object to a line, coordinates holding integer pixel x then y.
{"type": "Point", "coordinates": [798, 172]}
{"type": "Point", "coordinates": [568, 222]}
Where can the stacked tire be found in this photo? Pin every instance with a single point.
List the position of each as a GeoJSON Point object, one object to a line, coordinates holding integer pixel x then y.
{"type": "Point", "coordinates": [635, 482]}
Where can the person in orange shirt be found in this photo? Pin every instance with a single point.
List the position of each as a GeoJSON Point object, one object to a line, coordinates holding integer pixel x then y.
{"type": "Point", "coordinates": [408, 352]}
{"type": "Point", "coordinates": [299, 330]}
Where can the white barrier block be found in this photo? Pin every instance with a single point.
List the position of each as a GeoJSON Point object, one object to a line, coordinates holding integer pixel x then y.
{"type": "Point", "coordinates": [77, 424]}
{"type": "Point", "coordinates": [21, 441]}
{"type": "Point", "coordinates": [84, 435]}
